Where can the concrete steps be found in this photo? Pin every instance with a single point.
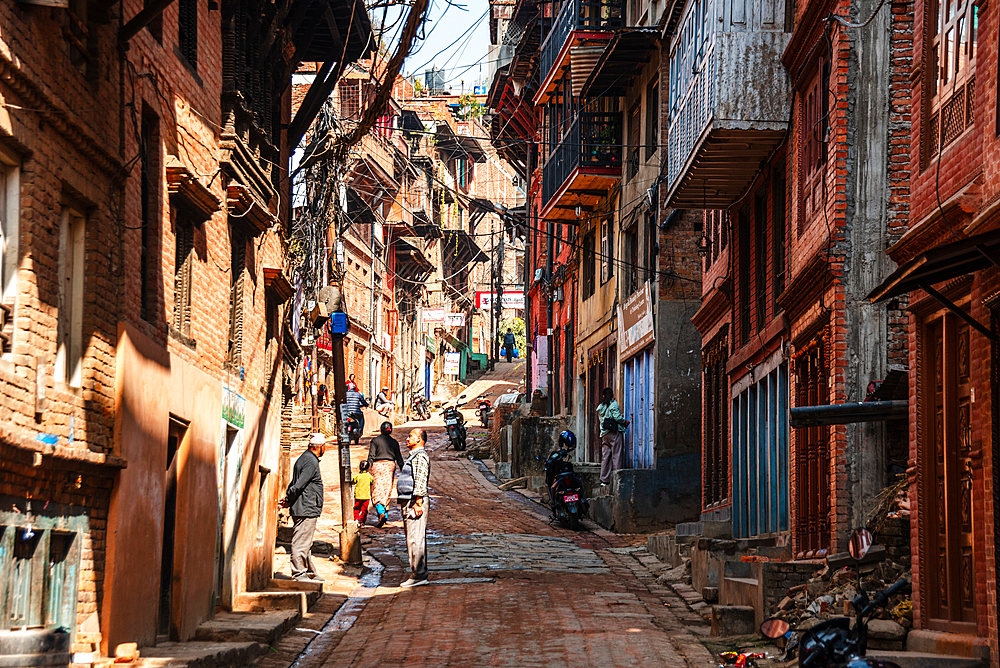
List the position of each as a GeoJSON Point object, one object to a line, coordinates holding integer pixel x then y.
{"type": "Point", "coordinates": [235, 627]}
{"type": "Point", "coordinates": [276, 599]}
{"type": "Point", "coordinates": [199, 655]}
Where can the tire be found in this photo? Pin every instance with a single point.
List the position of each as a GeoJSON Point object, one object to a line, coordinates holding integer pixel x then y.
{"type": "Point", "coordinates": [574, 520]}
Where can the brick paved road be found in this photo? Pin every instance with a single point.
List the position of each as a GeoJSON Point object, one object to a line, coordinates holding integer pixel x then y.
{"type": "Point", "coordinates": [511, 590]}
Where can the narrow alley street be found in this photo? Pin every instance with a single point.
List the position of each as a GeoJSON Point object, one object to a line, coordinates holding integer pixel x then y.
{"type": "Point", "coordinates": [507, 588]}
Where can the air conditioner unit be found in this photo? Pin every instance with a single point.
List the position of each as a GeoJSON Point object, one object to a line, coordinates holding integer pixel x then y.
{"type": "Point", "coordinates": [559, 294]}
{"type": "Point", "coordinates": [539, 274]}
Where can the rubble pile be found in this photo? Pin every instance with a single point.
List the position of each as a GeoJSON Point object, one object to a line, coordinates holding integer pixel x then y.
{"type": "Point", "coordinates": [829, 592]}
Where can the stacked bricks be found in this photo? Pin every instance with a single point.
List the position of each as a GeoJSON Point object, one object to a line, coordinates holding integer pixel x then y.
{"type": "Point", "coordinates": [497, 425]}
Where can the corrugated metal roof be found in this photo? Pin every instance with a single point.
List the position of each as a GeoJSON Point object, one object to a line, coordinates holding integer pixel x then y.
{"type": "Point", "coordinates": [582, 60]}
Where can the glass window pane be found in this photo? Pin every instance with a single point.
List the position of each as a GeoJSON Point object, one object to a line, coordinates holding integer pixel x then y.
{"type": "Point", "coordinates": [949, 55]}
{"type": "Point", "coordinates": [960, 39]}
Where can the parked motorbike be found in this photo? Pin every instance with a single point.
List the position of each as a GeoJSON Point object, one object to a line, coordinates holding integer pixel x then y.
{"type": "Point", "coordinates": [835, 643]}
{"type": "Point", "coordinates": [483, 407]}
{"type": "Point", "coordinates": [420, 406]}
{"type": "Point", "coordinates": [565, 488]}
{"type": "Point", "coordinates": [455, 423]}
{"type": "Point", "coordinates": [352, 423]}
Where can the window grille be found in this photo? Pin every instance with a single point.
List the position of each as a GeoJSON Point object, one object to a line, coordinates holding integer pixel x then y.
{"type": "Point", "coordinates": [187, 31]}
{"type": "Point", "coordinates": [715, 484]}
{"type": "Point", "coordinates": [183, 269]}
{"type": "Point", "coordinates": [951, 79]}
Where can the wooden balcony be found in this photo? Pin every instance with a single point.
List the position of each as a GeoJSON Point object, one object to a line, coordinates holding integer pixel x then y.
{"type": "Point", "coordinates": [579, 33]}
{"type": "Point", "coordinates": [729, 100]}
{"type": "Point", "coordinates": [585, 164]}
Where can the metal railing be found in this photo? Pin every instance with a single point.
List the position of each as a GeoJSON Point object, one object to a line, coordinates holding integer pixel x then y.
{"type": "Point", "coordinates": [579, 15]}
{"type": "Point", "coordinates": [593, 140]}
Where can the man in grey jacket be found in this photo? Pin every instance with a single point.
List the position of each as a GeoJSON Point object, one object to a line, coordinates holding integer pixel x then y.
{"type": "Point", "coordinates": [304, 498]}
{"type": "Point", "coordinates": [411, 491]}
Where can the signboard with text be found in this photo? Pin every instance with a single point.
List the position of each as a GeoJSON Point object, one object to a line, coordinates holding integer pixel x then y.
{"type": "Point", "coordinates": [454, 320]}
{"type": "Point", "coordinates": [513, 299]}
{"type": "Point", "coordinates": [635, 321]}
{"type": "Point", "coordinates": [452, 363]}
{"type": "Point", "coordinates": [434, 316]}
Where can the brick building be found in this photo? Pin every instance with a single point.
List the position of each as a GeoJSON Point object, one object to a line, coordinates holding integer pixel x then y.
{"type": "Point", "coordinates": [949, 280]}
{"type": "Point", "coordinates": [802, 187]}
{"type": "Point", "coordinates": [145, 222]}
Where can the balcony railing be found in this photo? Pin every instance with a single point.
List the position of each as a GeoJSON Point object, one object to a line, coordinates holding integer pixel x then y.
{"type": "Point", "coordinates": [579, 15]}
{"type": "Point", "coordinates": [594, 140]}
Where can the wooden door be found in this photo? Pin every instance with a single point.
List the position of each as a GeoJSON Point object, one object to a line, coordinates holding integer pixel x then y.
{"type": "Point", "coordinates": [812, 453]}
{"type": "Point", "coordinates": [946, 495]}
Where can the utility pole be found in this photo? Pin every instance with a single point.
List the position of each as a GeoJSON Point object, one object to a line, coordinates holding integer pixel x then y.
{"type": "Point", "coordinates": [493, 330]}
{"type": "Point", "coordinates": [548, 317]}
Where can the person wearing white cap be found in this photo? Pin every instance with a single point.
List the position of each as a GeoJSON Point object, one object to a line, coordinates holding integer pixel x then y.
{"type": "Point", "coordinates": [383, 404]}
{"type": "Point", "coordinates": [304, 498]}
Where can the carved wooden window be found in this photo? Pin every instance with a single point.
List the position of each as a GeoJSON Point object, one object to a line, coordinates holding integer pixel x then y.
{"type": "Point", "coordinates": [815, 127]}
{"type": "Point", "coordinates": [77, 32]}
{"type": "Point", "coordinates": [187, 31]}
{"type": "Point", "coordinates": [953, 27]}
{"type": "Point", "coordinates": [715, 389]}
{"type": "Point", "coordinates": [238, 265]}
{"type": "Point", "coordinates": [183, 269]}
{"type": "Point", "coordinates": [744, 278]}
{"type": "Point", "coordinates": [760, 256]}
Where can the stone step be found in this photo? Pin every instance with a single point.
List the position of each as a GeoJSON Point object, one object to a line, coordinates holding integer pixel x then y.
{"type": "Point", "coordinates": [733, 620]}
{"type": "Point", "coordinates": [285, 584]}
{"type": "Point", "coordinates": [925, 660]}
{"type": "Point", "coordinates": [200, 655]}
{"type": "Point", "coordinates": [277, 599]}
{"type": "Point", "coordinates": [261, 627]}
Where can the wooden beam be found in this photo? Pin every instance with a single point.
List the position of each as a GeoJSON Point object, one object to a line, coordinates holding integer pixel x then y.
{"type": "Point", "coordinates": [320, 89]}
{"type": "Point", "coordinates": [140, 20]}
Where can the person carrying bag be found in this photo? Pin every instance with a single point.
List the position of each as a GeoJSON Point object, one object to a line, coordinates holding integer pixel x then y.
{"type": "Point", "coordinates": [612, 427]}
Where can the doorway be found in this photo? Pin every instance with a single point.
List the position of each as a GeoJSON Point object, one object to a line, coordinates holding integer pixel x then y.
{"type": "Point", "coordinates": [230, 478]}
{"type": "Point", "coordinates": [166, 627]}
{"type": "Point", "coordinates": [947, 513]}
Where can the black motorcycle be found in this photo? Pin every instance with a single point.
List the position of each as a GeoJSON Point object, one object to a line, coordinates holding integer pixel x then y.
{"type": "Point", "coordinates": [455, 423]}
{"type": "Point", "coordinates": [565, 489]}
{"type": "Point", "coordinates": [352, 425]}
{"type": "Point", "coordinates": [420, 406]}
{"type": "Point", "coordinates": [835, 643]}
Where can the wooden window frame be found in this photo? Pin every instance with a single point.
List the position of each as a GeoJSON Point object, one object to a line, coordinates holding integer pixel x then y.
{"type": "Point", "coordinates": [589, 282]}
{"type": "Point", "coordinates": [652, 117]}
{"type": "Point", "coordinates": [150, 179]}
{"type": "Point", "coordinates": [715, 390]}
{"type": "Point", "coordinates": [187, 32]}
{"type": "Point", "coordinates": [237, 298]}
{"type": "Point", "coordinates": [72, 287]}
{"type": "Point", "coordinates": [949, 89]}
{"type": "Point", "coordinates": [10, 194]}
{"type": "Point", "coordinates": [184, 256]}
{"type": "Point", "coordinates": [813, 152]}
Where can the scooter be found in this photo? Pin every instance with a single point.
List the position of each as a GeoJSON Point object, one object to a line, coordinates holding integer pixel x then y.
{"type": "Point", "coordinates": [420, 406]}
{"type": "Point", "coordinates": [565, 489]}
{"type": "Point", "coordinates": [483, 409]}
{"type": "Point", "coordinates": [835, 643]}
{"type": "Point", "coordinates": [455, 423]}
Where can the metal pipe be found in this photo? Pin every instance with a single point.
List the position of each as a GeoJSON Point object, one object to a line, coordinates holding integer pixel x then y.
{"type": "Point", "coordinates": [847, 413]}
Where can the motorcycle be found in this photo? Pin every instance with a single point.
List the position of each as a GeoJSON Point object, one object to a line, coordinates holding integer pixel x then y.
{"type": "Point", "coordinates": [352, 424]}
{"type": "Point", "coordinates": [565, 489]}
{"type": "Point", "coordinates": [420, 406]}
{"type": "Point", "coordinates": [483, 410]}
{"type": "Point", "coordinates": [455, 423]}
{"type": "Point", "coordinates": [835, 643]}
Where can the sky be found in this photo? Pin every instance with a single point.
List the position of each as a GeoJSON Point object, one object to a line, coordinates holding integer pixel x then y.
{"type": "Point", "coordinates": [463, 55]}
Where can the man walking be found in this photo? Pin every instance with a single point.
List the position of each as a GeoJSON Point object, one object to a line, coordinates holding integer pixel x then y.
{"type": "Point", "coordinates": [411, 490]}
{"type": "Point", "coordinates": [508, 344]}
{"type": "Point", "coordinates": [304, 498]}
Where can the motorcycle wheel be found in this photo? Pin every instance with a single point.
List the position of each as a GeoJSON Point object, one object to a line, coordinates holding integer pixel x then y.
{"type": "Point", "coordinates": [425, 412]}
{"type": "Point", "coordinates": [574, 521]}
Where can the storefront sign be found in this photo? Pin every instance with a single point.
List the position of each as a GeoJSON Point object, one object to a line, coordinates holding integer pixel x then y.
{"type": "Point", "coordinates": [635, 321]}
{"type": "Point", "coordinates": [454, 320]}
{"type": "Point", "coordinates": [452, 363]}
{"type": "Point", "coordinates": [233, 408]}
{"type": "Point", "coordinates": [434, 316]}
{"type": "Point", "coordinates": [511, 299]}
